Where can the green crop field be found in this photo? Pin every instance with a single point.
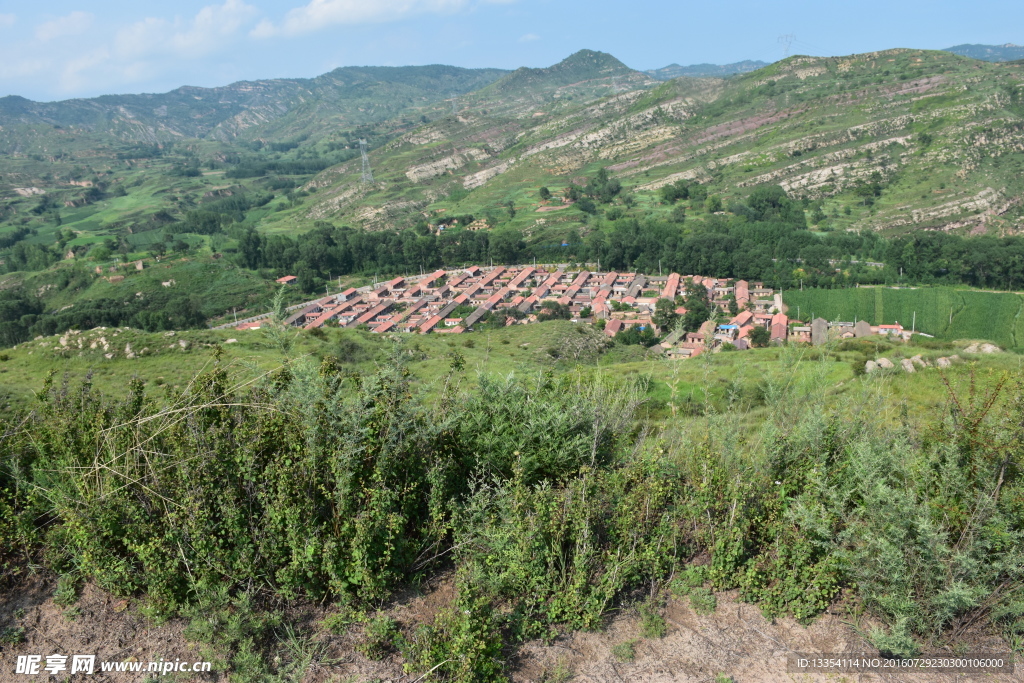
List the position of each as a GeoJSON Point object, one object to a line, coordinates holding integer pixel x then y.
{"type": "Point", "coordinates": [944, 312]}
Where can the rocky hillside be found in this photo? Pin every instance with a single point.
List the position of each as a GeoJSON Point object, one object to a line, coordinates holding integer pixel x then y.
{"type": "Point", "coordinates": [893, 140]}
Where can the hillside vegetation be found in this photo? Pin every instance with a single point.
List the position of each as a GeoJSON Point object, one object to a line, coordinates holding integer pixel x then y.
{"type": "Point", "coordinates": [552, 498]}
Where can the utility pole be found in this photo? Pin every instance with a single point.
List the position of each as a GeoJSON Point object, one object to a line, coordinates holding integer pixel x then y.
{"type": "Point", "coordinates": [913, 325]}
{"type": "Point", "coordinates": [234, 313]}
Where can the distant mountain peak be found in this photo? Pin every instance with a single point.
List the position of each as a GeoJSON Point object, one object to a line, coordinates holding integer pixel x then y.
{"type": "Point", "coordinates": [582, 65]}
{"type": "Point", "coordinates": [1007, 52]}
{"type": "Point", "coordinates": [667, 73]}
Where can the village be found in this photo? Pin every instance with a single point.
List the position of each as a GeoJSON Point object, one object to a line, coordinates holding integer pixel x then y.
{"type": "Point", "coordinates": [453, 302]}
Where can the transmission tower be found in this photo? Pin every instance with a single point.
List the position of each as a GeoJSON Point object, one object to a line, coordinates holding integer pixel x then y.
{"type": "Point", "coordinates": [367, 173]}
{"type": "Point", "coordinates": [786, 41]}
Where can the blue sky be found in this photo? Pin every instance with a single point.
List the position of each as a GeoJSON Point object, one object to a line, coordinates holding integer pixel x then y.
{"type": "Point", "coordinates": [66, 48]}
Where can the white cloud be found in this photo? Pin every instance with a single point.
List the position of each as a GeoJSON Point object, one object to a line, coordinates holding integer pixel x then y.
{"type": "Point", "coordinates": [528, 38]}
{"type": "Point", "coordinates": [70, 25]}
{"type": "Point", "coordinates": [7, 20]}
{"type": "Point", "coordinates": [319, 14]}
{"type": "Point", "coordinates": [75, 53]}
{"type": "Point", "coordinates": [209, 30]}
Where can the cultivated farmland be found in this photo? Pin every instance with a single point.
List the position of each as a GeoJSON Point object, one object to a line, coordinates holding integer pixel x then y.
{"type": "Point", "coordinates": [945, 312]}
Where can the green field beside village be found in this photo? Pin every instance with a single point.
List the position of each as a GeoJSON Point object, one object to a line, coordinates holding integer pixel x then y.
{"type": "Point", "coordinates": [943, 312]}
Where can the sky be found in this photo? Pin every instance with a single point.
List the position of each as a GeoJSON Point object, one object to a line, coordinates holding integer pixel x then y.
{"type": "Point", "coordinates": [61, 49]}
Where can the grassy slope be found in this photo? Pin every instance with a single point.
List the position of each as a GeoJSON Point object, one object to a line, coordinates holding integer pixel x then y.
{"type": "Point", "coordinates": [675, 387]}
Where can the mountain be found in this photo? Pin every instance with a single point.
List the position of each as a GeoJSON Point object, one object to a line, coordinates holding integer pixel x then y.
{"type": "Point", "coordinates": [989, 53]}
{"type": "Point", "coordinates": [348, 96]}
{"type": "Point", "coordinates": [585, 65]}
{"type": "Point", "coordinates": [895, 140]}
{"type": "Point", "coordinates": [671, 71]}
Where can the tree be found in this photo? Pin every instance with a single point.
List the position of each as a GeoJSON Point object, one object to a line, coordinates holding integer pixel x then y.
{"type": "Point", "coordinates": [545, 193]}
{"type": "Point", "coordinates": [665, 316]}
{"type": "Point", "coordinates": [713, 204]}
{"type": "Point", "coordinates": [697, 313]}
{"type": "Point", "coordinates": [759, 337]}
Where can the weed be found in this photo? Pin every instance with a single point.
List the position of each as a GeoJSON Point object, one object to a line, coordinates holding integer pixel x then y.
{"type": "Point", "coordinates": [337, 622]}
{"type": "Point", "coordinates": [625, 651]}
{"type": "Point", "coordinates": [652, 623]}
{"type": "Point", "coordinates": [12, 635]}
{"type": "Point", "coordinates": [379, 637]}
{"type": "Point", "coordinates": [703, 601]}
{"type": "Point", "coordinates": [67, 590]}
{"type": "Point", "coordinates": [561, 673]}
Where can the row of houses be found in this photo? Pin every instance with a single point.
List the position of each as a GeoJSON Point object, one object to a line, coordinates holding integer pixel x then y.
{"type": "Point", "coordinates": [428, 304]}
{"type": "Point", "coordinates": [425, 304]}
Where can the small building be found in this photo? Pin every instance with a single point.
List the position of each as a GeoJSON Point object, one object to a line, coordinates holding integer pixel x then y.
{"type": "Point", "coordinates": [613, 327]}
{"type": "Point", "coordinates": [287, 280]}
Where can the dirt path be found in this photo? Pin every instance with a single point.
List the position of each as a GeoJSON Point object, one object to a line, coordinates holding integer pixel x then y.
{"type": "Point", "coordinates": [735, 642]}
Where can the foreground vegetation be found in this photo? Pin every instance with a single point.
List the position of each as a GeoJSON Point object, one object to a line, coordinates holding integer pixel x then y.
{"type": "Point", "coordinates": [554, 496]}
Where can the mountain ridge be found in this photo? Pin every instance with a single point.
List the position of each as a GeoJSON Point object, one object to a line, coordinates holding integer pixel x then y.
{"type": "Point", "coordinates": [667, 73]}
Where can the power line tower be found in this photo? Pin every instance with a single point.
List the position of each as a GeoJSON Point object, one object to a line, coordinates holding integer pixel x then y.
{"type": "Point", "coordinates": [367, 173]}
{"type": "Point", "coordinates": [786, 41]}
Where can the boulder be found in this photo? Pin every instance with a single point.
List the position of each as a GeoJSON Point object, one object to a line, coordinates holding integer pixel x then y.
{"type": "Point", "coordinates": [943, 362]}
{"type": "Point", "coordinates": [954, 358]}
{"type": "Point", "coordinates": [918, 361]}
{"type": "Point", "coordinates": [973, 348]}
{"type": "Point", "coordinates": [907, 365]}
{"type": "Point", "coordinates": [989, 348]}
{"type": "Point", "coordinates": [231, 341]}
{"type": "Point", "coordinates": [870, 366]}
{"type": "Point", "coordinates": [885, 363]}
